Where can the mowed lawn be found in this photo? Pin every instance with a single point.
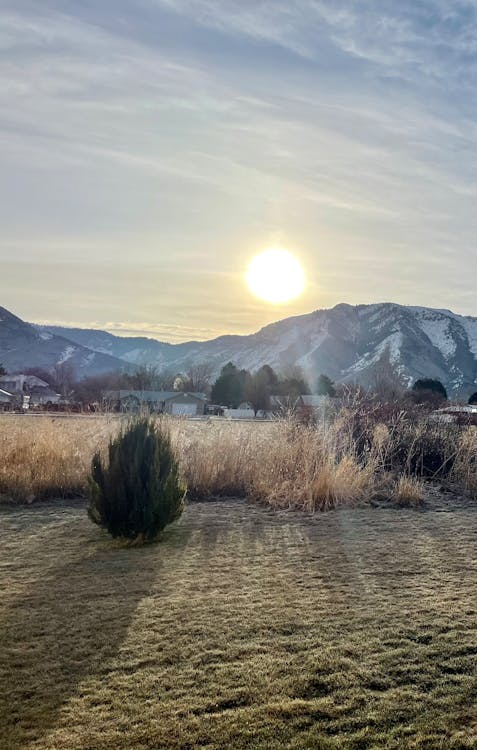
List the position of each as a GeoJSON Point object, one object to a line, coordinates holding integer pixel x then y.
{"type": "Point", "coordinates": [243, 628]}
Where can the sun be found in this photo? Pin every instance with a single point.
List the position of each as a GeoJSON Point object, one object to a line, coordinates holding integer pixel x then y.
{"type": "Point", "coordinates": [275, 275]}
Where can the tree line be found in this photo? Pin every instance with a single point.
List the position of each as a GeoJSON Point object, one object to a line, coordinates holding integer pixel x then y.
{"type": "Point", "coordinates": [235, 386]}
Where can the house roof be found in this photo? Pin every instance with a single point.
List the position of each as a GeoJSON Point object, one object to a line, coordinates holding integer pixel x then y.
{"type": "Point", "coordinates": [30, 380]}
{"type": "Point", "coordinates": [156, 396]}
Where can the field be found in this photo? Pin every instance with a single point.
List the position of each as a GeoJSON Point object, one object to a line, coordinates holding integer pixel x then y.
{"type": "Point", "coordinates": [244, 628]}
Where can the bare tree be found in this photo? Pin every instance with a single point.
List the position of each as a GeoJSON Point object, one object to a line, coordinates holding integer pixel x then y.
{"type": "Point", "coordinates": [92, 389]}
{"type": "Point", "coordinates": [198, 377]}
{"type": "Point", "coordinates": [387, 382]}
{"type": "Point", "coordinates": [63, 378]}
{"type": "Point", "coordinates": [292, 383]}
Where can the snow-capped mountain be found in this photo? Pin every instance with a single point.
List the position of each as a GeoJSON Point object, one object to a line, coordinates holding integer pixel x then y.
{"type": "Point", "coordinates": [345, 342]}
{"type": "Point", "coordinates": [23, 345]}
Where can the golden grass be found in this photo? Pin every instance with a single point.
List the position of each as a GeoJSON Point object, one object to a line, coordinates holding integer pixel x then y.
{"type": "Point", "coordinates": [45, 457]}
{"type": "Point", "coordinates": [408, 492]}
{"type": "Point", "coordinates": [285, 464]}
{"type": "Point", "coordinates": [220, 458]}
{"type": "Point", "coordinates": [241, 629]}
{"type": "Point", "coordinates": [465, 466]}
{"type": "Point", "coordinates": [300, 468]}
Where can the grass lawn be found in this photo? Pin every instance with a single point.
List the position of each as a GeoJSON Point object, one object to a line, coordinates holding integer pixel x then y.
{"type": "Point", "coordinates": [244, 628]}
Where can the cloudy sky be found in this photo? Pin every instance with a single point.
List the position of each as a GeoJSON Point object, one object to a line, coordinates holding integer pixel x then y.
{"type": "Point", "coordinates": [149, 148]}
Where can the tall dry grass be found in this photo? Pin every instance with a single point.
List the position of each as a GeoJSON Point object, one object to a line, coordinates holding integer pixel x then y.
{"type": "Point", "coordinates": [304, 467]}
{"type": "Point", "coordinates": [408, 492]}
{"type": "Point", "coordinates": [349, 459]}
{"type": "Point", "coordinates": [48, 457]}
{"type": "Point", "coordinates": [464, 470]}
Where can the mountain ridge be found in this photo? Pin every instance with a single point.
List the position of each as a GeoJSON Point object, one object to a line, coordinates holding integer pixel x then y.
{"type": "Point", "coordinates": [346, 342]}
{"type": "Point", "coordinates": [24, 345]}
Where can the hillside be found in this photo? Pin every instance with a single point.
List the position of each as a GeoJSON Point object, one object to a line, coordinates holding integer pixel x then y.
{"type": "Point", "coordinates": [23, 345]}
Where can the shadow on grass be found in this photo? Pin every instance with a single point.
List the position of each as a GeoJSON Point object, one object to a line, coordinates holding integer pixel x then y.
{"type": "Point", "coordinates": [68, 625]}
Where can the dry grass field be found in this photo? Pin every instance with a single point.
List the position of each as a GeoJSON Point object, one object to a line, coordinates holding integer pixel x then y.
{"type": "Point", "coordinates": [243, 628]}
{"type": "Point", "coordinates": [345, 461]}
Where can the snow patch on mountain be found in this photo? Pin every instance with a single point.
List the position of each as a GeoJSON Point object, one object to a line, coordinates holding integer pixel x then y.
{"type": "Point", "coordinates": [391, 344]}
{"type": "Point", "coordinates": [66, 355]}
{"type": "Point", "coordinates": [437, 326]}
{"type": "Point", "coordinates": [470, 327]}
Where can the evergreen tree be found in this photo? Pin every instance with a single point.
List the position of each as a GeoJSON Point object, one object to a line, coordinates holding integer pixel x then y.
{"type": "Point", "coordinates": [269, 375]}
{"type": "Point", "coordinates": [257, 390]}
{"type": "Point", "coordinates": [138, 491]}
{"type": "Point", "coordinates": [325, 386]}
{"type": "Point", "coordinates": [430, 385]}
{"type": "Point", "coordinates": [293, 384]}
{"type": "Point", "coordinates": [228, 389]}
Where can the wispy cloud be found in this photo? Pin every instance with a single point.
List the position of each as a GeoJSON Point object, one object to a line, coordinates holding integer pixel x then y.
{"type": "Point", "coordinates": [168, 332]}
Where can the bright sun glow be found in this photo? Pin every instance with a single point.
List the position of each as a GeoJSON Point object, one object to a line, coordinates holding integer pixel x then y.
{"type": "Point", "coordinates": [275, 276]}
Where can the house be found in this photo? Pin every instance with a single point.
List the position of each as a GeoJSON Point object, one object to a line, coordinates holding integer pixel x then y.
{"type": "Point", "coordinates": [7, 400]}
{"type": "Point", "coordinates": [176, 403]}
{"type": "Point", "coordinates": [38, 390]}
{"type": "Point", "coordinates": [20, 382]}
{"type": "Point", "coordinates": [39, 396]}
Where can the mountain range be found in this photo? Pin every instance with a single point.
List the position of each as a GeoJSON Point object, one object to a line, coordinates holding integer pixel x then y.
{"type": "Point", "coordinates": [346, 342]}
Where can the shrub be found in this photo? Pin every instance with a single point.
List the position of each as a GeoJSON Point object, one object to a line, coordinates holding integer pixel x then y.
{"type": "Point", "coordinates": [429, 386]}
{"type": "Point", "coordinates": [138, 491]}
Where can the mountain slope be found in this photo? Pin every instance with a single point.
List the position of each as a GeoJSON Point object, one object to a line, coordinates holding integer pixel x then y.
{"type": "Point", "coordinates": [346, 342]}
{"type": "Point", "coordinates": [134, 349]}
{"type": "Point", "coordinates": [23, 345]}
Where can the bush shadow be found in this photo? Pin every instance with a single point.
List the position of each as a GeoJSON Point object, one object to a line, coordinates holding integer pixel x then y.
{"type": "Point", "coordinates": [68, 625]}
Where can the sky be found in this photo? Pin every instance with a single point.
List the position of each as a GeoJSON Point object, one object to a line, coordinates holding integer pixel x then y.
{"type": "Point", "coordinates": [150, 148]}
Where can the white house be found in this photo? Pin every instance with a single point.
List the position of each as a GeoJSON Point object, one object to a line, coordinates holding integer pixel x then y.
{"type": "Point", "coordinates": [38, 390]}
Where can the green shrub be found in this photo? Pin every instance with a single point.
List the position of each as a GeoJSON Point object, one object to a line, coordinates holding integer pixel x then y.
{"type": "Point", "coordinates": [137, 492]}
{"type": "Point", "coordinates": [429, 386]}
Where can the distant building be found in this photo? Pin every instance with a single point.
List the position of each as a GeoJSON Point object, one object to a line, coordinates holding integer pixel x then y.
{"type": "Point", "coordinates": [40, 396]}
{"type": "Point", "coordinates": [457, 414]}
{"type": "Point", "coordinates": [296, 404]}
{"type": "Point", "coordinates": [19, 382]}
{"type": "Point", "coordinates": [7, 400]}
{"type": "Point", "coordinates": [243, 412]}
{"type": "Point", "coordinates": [37, 390]}
{"type": "Point", "coordinates": [162, 402]}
